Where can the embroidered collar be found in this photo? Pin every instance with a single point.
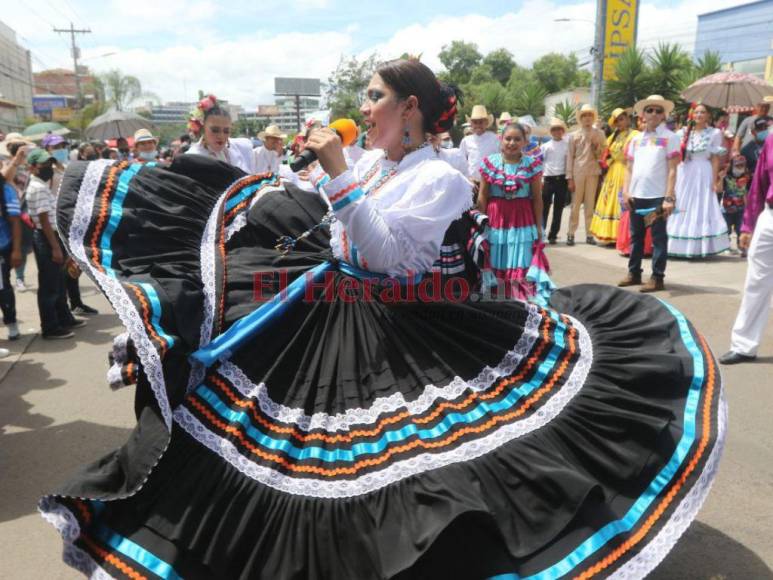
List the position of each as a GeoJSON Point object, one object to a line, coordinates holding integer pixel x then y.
{"type": "Point", "coordinates": [496, 172]}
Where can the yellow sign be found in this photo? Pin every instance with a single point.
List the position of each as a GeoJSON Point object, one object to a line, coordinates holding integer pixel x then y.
{"type": "Point", "coordinates": [61, 114]}
{"type": "Point", "coordinates": [619, 32]}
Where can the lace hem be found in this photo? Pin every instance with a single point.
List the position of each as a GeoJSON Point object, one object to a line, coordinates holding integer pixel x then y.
{"type": "Point", "coordinates": [115, 292]}
{"type": "Point", "coordinates": [402, 469]}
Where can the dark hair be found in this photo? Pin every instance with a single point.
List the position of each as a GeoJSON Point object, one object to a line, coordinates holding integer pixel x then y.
{"type": "Point", "coordinates": [520, 126]}
{"type": "Point", "coordinates": [185, 138]}
{"type": "Point", "coordinates": [13, 148]}
{"type": "Point", "coordinates": [437, 101]}
{"type": "Point", "coordinates": [216, 111]}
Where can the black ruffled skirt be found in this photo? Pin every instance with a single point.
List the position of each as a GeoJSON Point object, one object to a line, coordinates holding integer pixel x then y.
{"type": "Point", "coordinates": [368, 436]}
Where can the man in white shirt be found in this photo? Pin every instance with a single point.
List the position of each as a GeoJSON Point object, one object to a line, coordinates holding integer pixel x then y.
{"type": "Point", "coordinates": [481, 143]}
{"type": "Point", "coordinates": [269, 156]}
{"type": "Point", "coordinates": [555, 187]}
{"type": "Point", "coordinates": [648, 190]}
{"type": "Point", "coordinates": [444, 145]}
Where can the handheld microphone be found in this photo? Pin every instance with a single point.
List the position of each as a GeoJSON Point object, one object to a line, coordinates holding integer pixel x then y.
{"type": "Point", "coordinates": [347, 131]}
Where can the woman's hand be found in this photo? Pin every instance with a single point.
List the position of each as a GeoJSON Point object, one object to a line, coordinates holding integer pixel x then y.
{"type": "Point", "coordinates": [326, 144]}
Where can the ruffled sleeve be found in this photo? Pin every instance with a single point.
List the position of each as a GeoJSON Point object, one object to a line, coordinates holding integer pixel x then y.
{"type": "Point", "coordinates": [715, 143]}
{"type": "Point", "coordinates": [406, 236]}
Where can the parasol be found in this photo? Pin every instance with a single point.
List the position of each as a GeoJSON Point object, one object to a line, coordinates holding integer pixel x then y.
{"type": "Point", "coordinates": [37, 131]}
{"type": "Point", "coordinates": [732, 91]}
{"type": "Point", "coordinates": [115, 124]}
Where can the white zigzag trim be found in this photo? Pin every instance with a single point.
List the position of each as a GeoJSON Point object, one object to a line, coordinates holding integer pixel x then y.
{"type": "Point", "coordinates": [353, 417]}
{"type": "Point", "coordinates": [401, 469]}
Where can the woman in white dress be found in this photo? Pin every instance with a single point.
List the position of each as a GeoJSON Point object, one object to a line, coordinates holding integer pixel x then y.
{"type": "Point", "coordinates": [213, 122]}
{"type": "Point", "coordinates": [698, 229]}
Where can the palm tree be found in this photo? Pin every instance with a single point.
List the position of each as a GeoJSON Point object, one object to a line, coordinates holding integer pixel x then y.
{"type": "Point", "coordinates": [670, 66]}
{"type": "Point", "coordinates": [633, 82]}
{"type": "Point", "coordinates": [708, 64]}
{"type": "Point", "coordinates": [529, 100]}
{"type": "Point", "coordinates": [120, 89]}
{"type": "Point", "coordinates": [567, 112]}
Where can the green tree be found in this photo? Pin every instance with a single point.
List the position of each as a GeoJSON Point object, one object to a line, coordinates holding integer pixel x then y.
{"type": "Point", "coordinates": [490, 94]}
{"type": "Point", "coordinates": [501, 63]}
{"type": "Point", "coordinates": [345, 88]}
{"type": "Point", "coordinates": [481, 74]}
{"type": "Point", "coordinates": [529, 100]}
{"type": "Point", "coordinates": [670, 67]}
{"type": "Point", "coordinates": [633, 82]}
{"type": "Point", "coordinates": [460, 58]}
{"type": "Point", "coordinates": [519, 78]}
{"type": "Point", "coordinates": [567, 112]}
{"type": "Point", "coordinates": [120, 89]}
{"type": "Point", "coordinates": [557, 72]}
{"type": "Point", "coordinates": [708, 64]}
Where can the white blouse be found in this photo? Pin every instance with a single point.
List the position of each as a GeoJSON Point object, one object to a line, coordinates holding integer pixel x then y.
{"type": "Point", "coordinates": [392, 217]}
{"type": "Point", "coordinates": [238, 153]}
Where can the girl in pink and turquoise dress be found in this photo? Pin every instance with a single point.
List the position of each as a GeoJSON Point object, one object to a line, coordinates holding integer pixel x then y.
{"type": "Point", "coordinates": [511, 196]}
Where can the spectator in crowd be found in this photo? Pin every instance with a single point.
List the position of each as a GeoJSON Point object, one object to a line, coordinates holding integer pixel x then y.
{"type": "Point", "coordinates": [124, 153]}
{"type": "Point", "coordinates": [555, 188]}
{"type": "Point", "coordinates": [145, 146]}
{"type": "Point", "coordinates": [56, 319]}
{"type": "Point", "coordinates": [268, 156]}
{"type": "Point", "coordinates": [648, 189]}
{"type": "Point", "coordinates": [504, 119]}
{"type": "Point", "coordinates": [586, 145]}
{"type": "Point", "coordinates": [444, 145]}
{"type": "Point", "coordinates": [480, 143]}
{"type": "Point", "coordinates": [10, 250]}
{"type": "Point", "coordinates": [185, 143]}
{"type": "Point", "coordinates": [757, 236]}
{"type": "Point", "coordinates": [697, 229]}
{"type": "Point", "coordinates": [99, 147]}
{"type": "Point", "coordinates": [14, 149]}
{"type": "Point", "coordinates": [86, 152]}
{"type": "Point", "coordinates": [606, 217]}
{"type": "Point", "coordinates": [743, 136]}
{"type": "Point", "coordinates": [58, 149]}
{"type": "Point", "coordinates": [751, 151]}
{"type": "Point", "coordinates": [735, 185]}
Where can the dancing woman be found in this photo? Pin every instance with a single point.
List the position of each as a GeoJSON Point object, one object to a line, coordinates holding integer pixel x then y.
{"type": "Point", "coordinates": [321, 433]}
{"type": "Point", "coordinates": [212, 121]}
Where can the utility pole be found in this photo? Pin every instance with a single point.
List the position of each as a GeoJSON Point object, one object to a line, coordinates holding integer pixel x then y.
{"type": "Point", "coordinates": [76, 52]}
{"type": "Point", "coordinates": [598, 53]}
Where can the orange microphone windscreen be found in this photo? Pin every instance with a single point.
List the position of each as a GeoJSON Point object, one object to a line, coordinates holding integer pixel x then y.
{"type": "Point", "coordinates": [347, 130]}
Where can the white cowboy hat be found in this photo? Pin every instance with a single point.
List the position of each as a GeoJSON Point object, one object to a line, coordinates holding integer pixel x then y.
{"type": "Point", "coordinates": [555, 122]}
{"type": "Point", "coordinates": [13, 138]}
{"type": "Point", "coordinates": [588, 110]}
{"type": "Point", "coordinates": [480, 112]}
{"type": "Point", "coordinates": [656, 100]}
{"type": "Point", "coordinates": [142, 135]}
{"type": "Point", "coordinates": [272, 131]}
{"type": "Point", "coordinates": [616, 113]}
{"type": "Point", "coordinates": [505, 117]}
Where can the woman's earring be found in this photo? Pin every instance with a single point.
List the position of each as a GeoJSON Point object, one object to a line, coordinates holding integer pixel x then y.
{"type": "Point", "coordinates": [406, 137]}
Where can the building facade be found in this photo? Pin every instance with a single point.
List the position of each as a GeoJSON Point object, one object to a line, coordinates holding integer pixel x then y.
{"type": "Point", "coordinates": [742, 35]}
{"type": "Point", "coordinates": [15, 82]}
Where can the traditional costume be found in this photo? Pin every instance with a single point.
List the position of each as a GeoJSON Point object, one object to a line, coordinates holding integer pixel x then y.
{"type": "Point", "coordinates": [606, 217]}
{"type": "Point", "coordinates": [513, 230]}
{"type": "Point", "coordinates": [697, 229]}
{"type": "Point", "coordinates": [238, 152]}
{"type": "Point", "coordinates": [300, 434]}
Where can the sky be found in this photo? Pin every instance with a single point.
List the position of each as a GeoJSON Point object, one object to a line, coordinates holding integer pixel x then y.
{"type": "Point", "coordinates": [235, 49]}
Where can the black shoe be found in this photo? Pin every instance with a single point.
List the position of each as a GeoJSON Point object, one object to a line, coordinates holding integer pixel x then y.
{"type": "Point", "coordinates": [83, 309]}
{"type": "Point", "coordinates": [590, 241]}
{"type": "Point", "coordinates": [733, 358]}
{"type": "Point", "coordinates": [552, 241]}
{"type": "Point", "coordinates": [58, 334]}
{"type": "Point", "coordinates": [569, 240]}
{"type": "Point", "coordinates": [76, 323]}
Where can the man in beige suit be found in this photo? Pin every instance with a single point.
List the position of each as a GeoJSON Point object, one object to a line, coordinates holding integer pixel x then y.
{"type": "Point", "coordinates": [586, 145]}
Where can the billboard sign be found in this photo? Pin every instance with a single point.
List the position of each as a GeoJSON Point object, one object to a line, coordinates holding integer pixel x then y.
{"type": "Point", "coordinates": [44, 105]}
{"type": "Point", "coordinates": [285, 86]}
{"type": "Point", "coordinates": [620, 22]}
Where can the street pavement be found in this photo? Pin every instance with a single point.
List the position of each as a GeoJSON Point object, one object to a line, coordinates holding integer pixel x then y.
{"type": "Point", "coordinates": [57, 412]}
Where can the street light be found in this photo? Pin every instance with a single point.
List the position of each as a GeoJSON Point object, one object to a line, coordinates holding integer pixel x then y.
{"type": "Point", "coordinates": [596, 54]}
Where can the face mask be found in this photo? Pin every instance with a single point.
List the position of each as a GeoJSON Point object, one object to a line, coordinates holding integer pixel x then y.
{"type": "Point", "coordinates": [46, 173]}
{"type": "Point", "coordinates": [447, 144]}
{"type": "Point", "coordinates": [61, 155]}
{"type": "Point", "coordinates": [147, 155]}
{"type": "Point", "coordinates": [762, 135]}
{"type": "Point", "coordinates": [738, 172]}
